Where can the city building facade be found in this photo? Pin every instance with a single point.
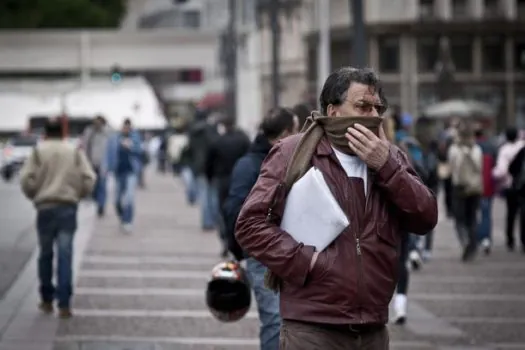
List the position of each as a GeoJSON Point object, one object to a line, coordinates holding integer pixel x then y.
{"type": "Point", "coordinates": [486, 40]}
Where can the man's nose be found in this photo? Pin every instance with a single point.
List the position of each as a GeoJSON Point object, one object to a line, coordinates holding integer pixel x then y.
{"type": "Point", "coordinates": [373, 112]}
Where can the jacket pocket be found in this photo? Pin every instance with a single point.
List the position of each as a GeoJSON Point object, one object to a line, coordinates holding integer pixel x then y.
{"type": "Point", "coordinates": [320, 267]}
{"type": "Point", "coordinates": [387, 234]}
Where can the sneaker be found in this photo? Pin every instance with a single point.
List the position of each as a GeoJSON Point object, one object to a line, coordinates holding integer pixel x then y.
{"type": "Point", "coordinates": [46, 307]}
{"type": "Point", "coordinates": [64, 313]}
{"type": "Point", "coordinates": [127, 228]}
{"type": "Point", "coordinates": [426, 255]}
{"type": "Point", "coordinates": [415, 260]}
{"type": "Point", "coordinates": [485, 245]}
{"type": "Point", "coordinates": [400, 309]}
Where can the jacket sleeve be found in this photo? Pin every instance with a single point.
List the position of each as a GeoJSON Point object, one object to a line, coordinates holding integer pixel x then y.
{"type": "Point", "coordinates": [111, 153]}
{"type": "Point", "coordinates": [87, 174]}
{"type": "Point", "coordinates": [244, 176]}
{"type": "Point", "coordinates": [258, 231]}
{"type": "Point", "coordinates": [405, 190]}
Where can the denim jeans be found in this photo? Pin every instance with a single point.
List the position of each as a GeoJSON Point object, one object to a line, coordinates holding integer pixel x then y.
{"type": "Point", "coordinates": [485, 224]}
{"type": "Point", "coordinates": [125, 196]}
{"type": "Point", "coordinates": [190, 184]}
{"type": "Point", "coordinates": [56, 225]}
{"type": "Point", "coordinates": [100, 192]}
{"type": "Point", "coordinates": [208, 201]}
{"type": "Point", "coordinates": [267, 306]}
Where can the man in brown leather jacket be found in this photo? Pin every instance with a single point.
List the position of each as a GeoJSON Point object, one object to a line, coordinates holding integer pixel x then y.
{"type": "Point", "coordinates": [338, 298]}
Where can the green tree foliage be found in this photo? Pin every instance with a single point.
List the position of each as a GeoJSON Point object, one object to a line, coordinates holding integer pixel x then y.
{"type": "Point", "coordinates": [32, 14]}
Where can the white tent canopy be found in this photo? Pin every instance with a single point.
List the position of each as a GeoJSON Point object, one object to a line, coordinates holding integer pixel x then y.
{"type": "Point", "coordinates": [133, 98]}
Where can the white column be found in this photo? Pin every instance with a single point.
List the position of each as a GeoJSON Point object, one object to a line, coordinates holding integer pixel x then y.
{"type": "Point", "coordinates": [323, 61]}
{"type": "Point", "coordinates": [85, 64]}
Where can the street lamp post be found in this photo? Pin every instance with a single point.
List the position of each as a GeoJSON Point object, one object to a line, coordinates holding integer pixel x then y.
{"type": "Point", "coordinates": [324, 59]}
{"type": "Point", "coordinates": [359, 47]}
{"type": "Point", "coordinates": [274, 9]}
{"type": "Point", "coordinates": [231, 60]}
{"type": "Point", "coordinates": [446, 85]}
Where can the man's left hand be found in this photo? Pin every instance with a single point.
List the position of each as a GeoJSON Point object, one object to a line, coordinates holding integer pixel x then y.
{"type": "Point", "coordinates": [367, 146]}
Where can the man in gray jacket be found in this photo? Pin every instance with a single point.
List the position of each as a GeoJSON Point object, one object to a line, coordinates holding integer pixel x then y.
{"type": "Point", "coordinates": [56, 176]}
{"type": "Point", "coordinates": [95, 143]}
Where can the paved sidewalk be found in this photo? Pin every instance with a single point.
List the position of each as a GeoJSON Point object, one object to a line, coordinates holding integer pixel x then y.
{"type": "Point", "coordinates": [145, 291]}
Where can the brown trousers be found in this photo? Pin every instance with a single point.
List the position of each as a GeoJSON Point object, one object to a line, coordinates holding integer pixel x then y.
{"type": "Point", "coordinates": [309, 336]}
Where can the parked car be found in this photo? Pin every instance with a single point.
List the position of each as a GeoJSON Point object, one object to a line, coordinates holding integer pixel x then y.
{"type": "Point", "coordinates": [14, 153]}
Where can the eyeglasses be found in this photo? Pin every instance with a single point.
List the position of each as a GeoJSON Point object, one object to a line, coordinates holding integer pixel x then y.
{"type": "Point", "coordinates": [367, 107]}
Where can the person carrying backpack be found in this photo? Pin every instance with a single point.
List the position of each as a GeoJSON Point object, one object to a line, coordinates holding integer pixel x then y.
{"type": "Point", "coordinates": [465, 159]}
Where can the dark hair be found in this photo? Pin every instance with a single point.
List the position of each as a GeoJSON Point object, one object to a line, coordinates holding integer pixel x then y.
{"type": "Point", "coordinates": [53, 128]}
{"type": "Point", "coordinates": [127, 122]}
{"type": "Point", "coordinates": [336, 86]}
{"type": "Point", "coordinates": [511, 134]}
{"type": "Point", "coordinates": [101, 119]}
{"type": "Point", "coordinates": [302, 111]}
{"type": "Point", "coordinates": [276, 121]}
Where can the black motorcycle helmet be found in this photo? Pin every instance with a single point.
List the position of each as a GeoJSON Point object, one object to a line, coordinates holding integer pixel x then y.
{"type": "Point", "coordinates": [228, 293]}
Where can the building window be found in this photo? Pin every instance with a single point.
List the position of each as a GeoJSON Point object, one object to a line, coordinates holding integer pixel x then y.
{"type": "Point", "coordinates": [461, 52]}
{"type": "Point", "coordinates": [493, 9]}
{"type": "Point", "coordinates": [460, 9]}
{"type": "Point", "coordinates": [427, 53]}
{"type": "Point", "coordinates": [191, 19]}
{"type": "Point", "coordinates": [426, 9]}
{"type": "Point", "coordinates": [519, 55]}
{"type": "Point", "coordinates": [520, 8]}
{"type": "Point", "coordinates": [493, 53]}
{"type": "Point", "coordinates": [388, 54]}
{"type": "Point", "coordinates": [192, 76]}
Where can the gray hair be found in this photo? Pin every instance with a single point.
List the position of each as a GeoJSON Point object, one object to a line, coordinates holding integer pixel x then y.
{"type": "Point", "coordinates": [336, 86]}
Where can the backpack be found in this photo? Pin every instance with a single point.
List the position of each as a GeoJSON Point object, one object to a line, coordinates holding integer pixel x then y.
{"type": "Point", "coordinates": [470, 180]}
{"type": "Point", "coordinates": [519, 181]}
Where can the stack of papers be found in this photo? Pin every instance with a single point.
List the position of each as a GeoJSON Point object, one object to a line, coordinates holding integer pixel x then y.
{"type": "Point", "coordinates": [312, 216]}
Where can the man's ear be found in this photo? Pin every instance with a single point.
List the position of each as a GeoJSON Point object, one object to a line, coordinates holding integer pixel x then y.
{"type": "Point", "coordinates": [331, 111]}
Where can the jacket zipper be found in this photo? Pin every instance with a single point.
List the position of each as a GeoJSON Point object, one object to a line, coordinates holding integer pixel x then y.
{"type": "Point", "coordinates": [358, 245]}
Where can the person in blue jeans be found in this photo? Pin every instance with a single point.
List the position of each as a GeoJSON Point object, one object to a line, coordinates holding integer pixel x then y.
{"type": "Point", "coordinates": [124, 161]}
{"type": "Point", "coordinates": [95, 142]}
{"type": "Point", "coordinates": [279, 123]}
{"type": "Point", "coordinates": [54, 163]}
{"type": "Point", "coordinates": [489, 190]}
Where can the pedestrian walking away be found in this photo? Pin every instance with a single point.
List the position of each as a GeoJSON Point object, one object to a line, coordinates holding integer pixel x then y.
{"type": "Point", "coordinates": [53, 164]}
{"type": "Point", "coordinates": [465, 158]}
{"type": "Point", "coordinates": [95, 142]}
{"type": "Point", "coordinates": [336, 296]}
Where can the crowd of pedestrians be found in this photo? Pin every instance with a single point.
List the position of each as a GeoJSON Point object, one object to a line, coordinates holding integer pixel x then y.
{"type": "Point", "coordinates": [382, 177]}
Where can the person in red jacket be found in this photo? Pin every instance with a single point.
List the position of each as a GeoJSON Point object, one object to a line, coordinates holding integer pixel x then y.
{"type": "Point", "coordinates": [338, 297]}
{"type": "Point", "coordinates": [489, 189]}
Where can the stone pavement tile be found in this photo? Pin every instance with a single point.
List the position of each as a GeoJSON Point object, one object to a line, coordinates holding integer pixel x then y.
{"type": "Point", "coordinates": [126, 302]}
{"type": "Point", "coordinates": [152, 327]}
{"type": "Point", "coordinates": [487, 332]}
{"type": "Point", "coordinates": [68, 346]}
{"type": "Point", "coordinates": [26, 345]}
{"type": "Point", "coordinates": [31, 326]}
{"type": "Point", "coordinates": [476, 308]}
{"type": "Point", "coordinates": [116, 346]}
{"type": "Point", "coordinates": [116, 282]}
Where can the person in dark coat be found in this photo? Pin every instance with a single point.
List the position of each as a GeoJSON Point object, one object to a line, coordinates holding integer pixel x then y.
{"type": "Point", "coordinates": [278, 124]}
{"type": "Point", "coordinates": [224, 151]}
{"type": "Point", "coordinates": [200, 134]}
